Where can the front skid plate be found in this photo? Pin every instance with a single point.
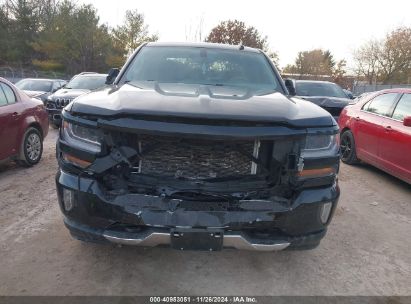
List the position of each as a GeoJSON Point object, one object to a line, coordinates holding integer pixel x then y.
{"type": "Point", "coordinates": [229, 240]}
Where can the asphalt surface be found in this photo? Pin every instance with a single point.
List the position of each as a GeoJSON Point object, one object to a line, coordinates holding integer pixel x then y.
{"type": "Point", "coordinates": [367, 250]}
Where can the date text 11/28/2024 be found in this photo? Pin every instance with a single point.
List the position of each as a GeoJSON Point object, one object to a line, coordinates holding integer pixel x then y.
{"type": "Point", "coordinates": [204, 299]}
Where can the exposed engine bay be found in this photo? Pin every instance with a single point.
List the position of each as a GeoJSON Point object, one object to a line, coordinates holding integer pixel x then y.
{"type": "Point", "coordinates": [197, 168]}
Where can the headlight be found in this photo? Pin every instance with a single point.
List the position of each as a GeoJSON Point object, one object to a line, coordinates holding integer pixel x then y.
{"type": "Point", "coordinates": [38, 95]}
{"type": "Point", "coordinates": [319, 142]}
{"type": "Point", "coordinates": [321, 145]}
{"type": "Point", "coordinates": [84, 138]}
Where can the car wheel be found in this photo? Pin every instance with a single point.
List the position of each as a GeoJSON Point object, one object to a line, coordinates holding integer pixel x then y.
{"type": "Point", "coordinates": [32, 147]}
{"type": "Point", "coordinates": [347, 146]}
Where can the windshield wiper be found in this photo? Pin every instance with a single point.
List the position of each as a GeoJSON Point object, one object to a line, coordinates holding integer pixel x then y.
{"type": "Point", "coordinates": [214, 84]}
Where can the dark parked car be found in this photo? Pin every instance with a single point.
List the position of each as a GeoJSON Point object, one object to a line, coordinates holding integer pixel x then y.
{"type": "Point", "coordinates": [23, 125]}
{"type": "Point", "coordinates": [328, 95]}
{"type": "Point", "coordinates": [197, 147]}
{"type": "Point", "coordinates": [377, 130]}
{"type": "Point", "coordinates": [40, 88]}
{"type": "Point", "coordinates": [349, 94]}
{"type": "Point", "coordinates": [78, 85]}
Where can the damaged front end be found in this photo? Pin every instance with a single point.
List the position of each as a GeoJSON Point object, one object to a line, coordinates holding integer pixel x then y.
{"type": "Point", "coordinates": [196, 184]}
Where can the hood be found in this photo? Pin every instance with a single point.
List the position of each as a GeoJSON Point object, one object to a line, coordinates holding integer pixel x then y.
{"type": "Point", "coordinates": [328, 102]}
{"type": "Point", "coordinates": [34, 93]}
{"type": "Point", "coordinates": [69, 93]}
{"type": "Point", "coordinates": [200, 101]}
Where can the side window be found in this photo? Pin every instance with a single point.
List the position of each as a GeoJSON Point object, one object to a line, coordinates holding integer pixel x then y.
{"type": "Point", "coordinates": [3, 99]}
{"type": "Point", "coordinates": [11, 98]}
{"type": "Point", "coordinates": [382, 104]}
{"type": "Point", "coordinates": [56, 86]}
{"type": "Point", "coordinates": [403, 108]}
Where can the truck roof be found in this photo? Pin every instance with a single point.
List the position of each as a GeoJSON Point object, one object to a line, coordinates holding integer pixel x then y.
{"type": "Point", "coordinates": [206, 45]}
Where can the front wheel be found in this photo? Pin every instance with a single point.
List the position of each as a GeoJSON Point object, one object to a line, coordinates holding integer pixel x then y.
{"type": "Point", "coordinates": [32, 147]}
{"type": "Point", "coordinates": [348, 154]}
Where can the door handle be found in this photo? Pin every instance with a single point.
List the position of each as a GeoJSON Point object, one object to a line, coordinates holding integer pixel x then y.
{"type": "Point", "coordinates": [357, 118]}
{"type": "Point", "coordinates": [15, 114]}
{"type": "Point", "coordinates": [389, 129]}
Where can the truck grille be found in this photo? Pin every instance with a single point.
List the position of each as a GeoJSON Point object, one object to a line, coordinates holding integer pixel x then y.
{"type": "Point", "coordinates": [62, 102]}
{"type": "Point", "coordinates": [195, 158]}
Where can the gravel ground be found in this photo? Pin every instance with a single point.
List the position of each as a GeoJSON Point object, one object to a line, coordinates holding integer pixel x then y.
{"type": "Point", "coordinates": [366, 251]}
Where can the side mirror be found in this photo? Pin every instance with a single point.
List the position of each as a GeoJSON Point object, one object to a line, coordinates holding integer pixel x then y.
{"type": "Point", "coordinates": [407, 121]}
{"type": "Point", "coordinates": [289, 84]}
{"type": "Point", "coordinates": [112, 74]}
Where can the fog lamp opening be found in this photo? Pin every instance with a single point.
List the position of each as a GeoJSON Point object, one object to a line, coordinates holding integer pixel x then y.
{"type": "Point", "coordinates": [325, 212]}
{"type": "Point", "coordinates": [68, 199]}
{"type": "Point", "coordinates": [313, 173]}
{"type": "Point", "coordinates": [76, 161]}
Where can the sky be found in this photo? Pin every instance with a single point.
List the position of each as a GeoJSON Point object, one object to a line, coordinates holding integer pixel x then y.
{"type": "Point", "coordinates": [290, 26]}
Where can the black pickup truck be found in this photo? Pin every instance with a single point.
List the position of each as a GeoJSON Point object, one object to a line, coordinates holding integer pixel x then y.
{"type": "Point", "coordinates": [198, 147]}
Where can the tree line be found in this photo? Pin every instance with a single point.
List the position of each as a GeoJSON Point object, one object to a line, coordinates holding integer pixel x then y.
{"type": "Point", "coordinates": [385, 61]}
{"type": "Point", "coordinates": [65, 36]}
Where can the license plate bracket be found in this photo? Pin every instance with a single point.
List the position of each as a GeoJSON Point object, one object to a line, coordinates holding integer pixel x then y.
{"type": "Point", "coordinates": [197, 239]}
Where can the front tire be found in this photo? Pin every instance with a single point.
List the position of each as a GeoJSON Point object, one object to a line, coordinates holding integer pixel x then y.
{"type": "Point", "coordinates": [32, 148]}
{"type": "Point", "coordinates": [348, 153]}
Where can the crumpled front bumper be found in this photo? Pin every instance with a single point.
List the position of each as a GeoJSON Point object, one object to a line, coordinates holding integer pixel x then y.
{"type": "Point", "coordinates": [144, 220]}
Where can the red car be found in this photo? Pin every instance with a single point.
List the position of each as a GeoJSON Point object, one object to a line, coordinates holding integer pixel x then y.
{"type": "Point", "coordinates": [377, 130]}
{"type": "Point", "coordinates": [23, 125]}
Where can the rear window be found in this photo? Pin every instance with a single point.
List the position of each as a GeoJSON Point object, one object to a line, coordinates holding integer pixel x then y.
{"type": "Point", "coordinates": [203, 66]}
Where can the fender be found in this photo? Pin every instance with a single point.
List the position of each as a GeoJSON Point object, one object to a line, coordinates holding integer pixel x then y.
{"type": "Point", "coordinates": [27, 122]}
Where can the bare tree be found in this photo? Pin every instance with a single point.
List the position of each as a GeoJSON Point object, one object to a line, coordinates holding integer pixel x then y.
{"type": "Point", "coordinates": [133, 32]}
{"type": "Point", "coordinates": [387, 60]}
{"type": "Point", "coordinates": [195, 33]}
{"type": "Point", "coordinates": [236, 32]}
{"type": "Point", "coordinates": [315, 62]}
{"type": "Point", "coordinates": [366, 61]}
{"type": "Point", "coordinates": [395, 56]}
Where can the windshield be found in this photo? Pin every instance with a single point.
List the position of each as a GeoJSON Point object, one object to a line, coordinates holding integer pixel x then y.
{"type": "Point", "coordinates": [86, 82]}
{"type": "Point", "coordinates": [34, 85]}
{"type": "Point", "coordinates": [204, 66]}
{"type": "Point", "coordinates": [319, 89]}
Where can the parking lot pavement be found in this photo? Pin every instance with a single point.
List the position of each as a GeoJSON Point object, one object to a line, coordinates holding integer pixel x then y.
{"type": "Point", "coordinates": [366, 251]}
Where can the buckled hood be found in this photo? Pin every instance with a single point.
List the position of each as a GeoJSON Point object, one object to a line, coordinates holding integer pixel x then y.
{"type": "Point", "coordinates": [200, 101]}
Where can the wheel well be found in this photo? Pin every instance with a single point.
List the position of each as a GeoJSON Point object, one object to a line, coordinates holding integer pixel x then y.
{"type": "Point", "coordinates": [345, 129]}
{"type": "Point", "coordinates": [37, 126]}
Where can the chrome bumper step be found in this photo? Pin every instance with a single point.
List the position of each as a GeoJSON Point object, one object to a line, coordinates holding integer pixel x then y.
{"type": "Point", "coordinates": [230, 240]}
